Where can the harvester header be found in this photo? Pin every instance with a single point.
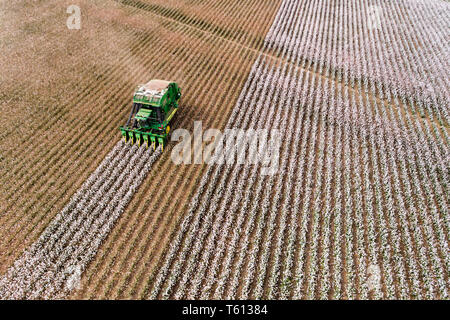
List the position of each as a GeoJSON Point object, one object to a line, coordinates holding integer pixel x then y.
{"type": "Point", "coordinates": [154, 105]}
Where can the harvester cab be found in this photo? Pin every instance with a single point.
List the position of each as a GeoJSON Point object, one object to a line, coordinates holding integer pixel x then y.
{"type": "Point", "coordinates": [154, 105]}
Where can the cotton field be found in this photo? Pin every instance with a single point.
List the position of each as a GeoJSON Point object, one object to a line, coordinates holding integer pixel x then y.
{"type": "Point", "coordinates": [357, 209]}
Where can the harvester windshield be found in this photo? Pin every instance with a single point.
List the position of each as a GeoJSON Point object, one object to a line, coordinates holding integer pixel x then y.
{"type": "Point", "coordinates": [148, 115]}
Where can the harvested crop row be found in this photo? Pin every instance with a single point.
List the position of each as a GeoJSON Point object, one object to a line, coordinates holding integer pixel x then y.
{"type": "Point", "coordinates": [229, 19]}
{"type": "Point", "coordinates": [50, 266]}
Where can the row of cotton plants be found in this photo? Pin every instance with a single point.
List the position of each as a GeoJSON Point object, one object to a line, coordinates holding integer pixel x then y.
{"type": "Point", "coordinates": [205, 190]}
{"type": "Point", "coordinates": [198, 245]}
{"type": "Point", "coordinates": [213, 247]}
{"type": "Point", "coordinates": [256, 112]}
{"type": "Point", "coordinates": [102, 226]}
{"type": "Point", "coordinates": [64, 249]}
{"type": "Point", "coordinates": [421, 153]}
{"type": "Point", "coordinates": [246, 177]}
{"type": "Point", "coordinates": [72, 240]}
{"type": "Point", "coordinates": [25, 265]}
{"type": "Point", "coordinates": [359, 206]}
{"type": "Point", "coordinates": [290, 98]}
{"type": "Point", "coordinates": [285, 181]}
{"type": "Point", "coordinates": [274, 277]}
{"type": "Point", "coordinates": [410, 51]}
{"type": "Point", "coordinates": [286, 125]}
{"type": "Point", "coordinates": [252, 197]}
{"type": "Point", "coordinates": [260, 202]}
{"type": "Point", "coordinates": [209, 203]}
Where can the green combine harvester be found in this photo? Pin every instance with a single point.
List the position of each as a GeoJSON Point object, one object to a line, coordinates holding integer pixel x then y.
{"type": "Point", "coordinates": [154, 105]}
